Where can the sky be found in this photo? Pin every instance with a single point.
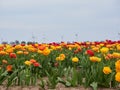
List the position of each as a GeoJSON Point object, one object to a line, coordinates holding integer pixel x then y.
{"type": "Point", "coordinates": [59, 20]}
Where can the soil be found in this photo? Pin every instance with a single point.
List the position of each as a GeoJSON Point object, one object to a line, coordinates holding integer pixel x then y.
{"type": "Point", "coordinates": [57, 88]}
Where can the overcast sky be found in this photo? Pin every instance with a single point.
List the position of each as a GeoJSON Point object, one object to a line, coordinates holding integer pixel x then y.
{"type": "Point", "coordinates": [56, 20]}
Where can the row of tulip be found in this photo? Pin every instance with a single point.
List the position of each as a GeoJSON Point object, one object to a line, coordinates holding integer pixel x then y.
{"type": "Point", "coordinates": [90, 64]}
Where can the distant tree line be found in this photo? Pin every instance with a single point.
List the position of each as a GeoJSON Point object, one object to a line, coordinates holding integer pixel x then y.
{"type": "Point", "coordinates": [18, 42]}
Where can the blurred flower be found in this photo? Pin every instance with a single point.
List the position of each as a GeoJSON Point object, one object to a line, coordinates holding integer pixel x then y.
{"type": "Point", "coordinates": [108, 56]}
{"type": "Point", "coordinates": [116, 55]}
{"type": "Point", "coordinates": [39, 51]}
{"type": "Point", "coordinates": [104, 50]}
{"type": "Point", "coordinates": [46, 52]}
{"type": "Point", "coordinates": [78, 50]}
{"type": "Point", "coordinates": [3, 53]}
{"type": "Point", "coordinates": [32, 49]}
{"type": "Point", "coordinates": [12, 55]}
{"type": "Point", "coordinates": [61, 57]}
{"type": "Point", "coordinates": [118, 47]}
{"type": "Point", "coordinates": [42, 47]}
{"type": "Point", "coordinates": [9, 68]}
{"type": "Point", "coordinates": [117, 77]}
{"type": "Point", "coordinates": [19, 52]}
{"type": "Point", "coordinates": [70, 48]}
{"type": "Point", "coordinates": [101, 44]}
{"type": "Point", "coordinates": [117, 65]}
{"type": "Point", "coordinates": [36, 45]}
{"type": "Point", "coordinates": [90, 52]}
{"type": "Point", "coordinates": [26, 52]}
{"type": "Point", "coordinates": [4, 61]}
{"type": "Point", "coordinates": [57, 58]}
{"type": "Point", "coordinates": [96, 49]}
{"type": "Point", "coordinates": [109, 46]}
{"type": "Point", "coordinates": [75, 59]}
{"type": "Point", "coordinates": [52, 47]}
{"type": "Point", "coordinates": [36, 64]}
{"type": "Point", "coordinates": [95, 59]}
{"type": "Point", "coordinates": [1, 47]}
{"type": "Point", "coordinates": [9, 50]}
{"type": "Point", "coordinates": [58, 48]}
{"type": "Point", "coordinates": [28, 63]}
{"type": "Point", "coordinates": [32, 61]}
{"type": "Point", "coordinates": [18, 47]}
{"type": "Point", "coordinates": [107, 70]}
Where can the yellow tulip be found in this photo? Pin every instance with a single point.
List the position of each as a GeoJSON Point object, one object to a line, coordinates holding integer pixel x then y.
{"type": "Point", "coordinates": [95, 59]}
{"type": "Point", "coordinates": [28, 63]}
{"type": "Point", "coordinates": [118, 47]}
{"type": "Point", "coordinates": [46, 52]}
{"type": "Point", "coordinates": [19, 52]}
{"type": "Point", "coordinates": [75, 59]}
{"type": "Point", "coordinates": [107, 70]}
{"type": "Point", "coordinates": [117, 77]}
{"type": "Point", "coordinates": [61, 57]}
{"type": "Point", "coordinates": [104, 50]}
{"type": "Point", "coordinates": [117, 66]}
{"type": "Point", "coordinates": [116, 55]}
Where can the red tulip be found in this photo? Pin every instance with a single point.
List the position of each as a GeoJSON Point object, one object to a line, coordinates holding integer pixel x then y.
{"type": "Point", "coordinates": [36, 64]}
{"type": "Point", "coordinates": [90, 52]}
{"type": "Point", "coordinates": [12, 55]}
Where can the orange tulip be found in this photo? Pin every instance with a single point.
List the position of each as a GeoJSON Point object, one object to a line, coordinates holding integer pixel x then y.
{"type": "Point", "coordinates": [9, 68]}
{"type": "Point", "coordinates": [32, 61]}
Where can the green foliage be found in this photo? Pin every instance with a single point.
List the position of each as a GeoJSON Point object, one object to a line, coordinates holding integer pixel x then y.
{"type": "Point", "coordinates": [85, 72]}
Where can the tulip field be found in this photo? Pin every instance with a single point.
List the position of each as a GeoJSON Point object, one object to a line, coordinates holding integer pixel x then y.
{"type": "Point", "coordinates": [71, 64]}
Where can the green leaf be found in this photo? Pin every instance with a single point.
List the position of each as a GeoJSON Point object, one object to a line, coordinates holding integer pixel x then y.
{"type": "Point", "coordinates": [4, 74]}
{"type": "Point", "coordinates": [11, 78]}
{"type": "Point", "coordinates": [42, 83]}
{"type": "Point", "coordinates": [94, 85]}
{"type": "Point", "coordinates": [68, 84]}
{"type": "Point", "coordinates": [2, 79]}
{"type": "Point", "coordinates": [61, 80]}
{"type": "Point", "coordinates": [74, 77]}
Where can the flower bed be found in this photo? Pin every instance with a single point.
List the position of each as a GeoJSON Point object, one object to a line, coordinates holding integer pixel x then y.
{"type": "Point", "coordinates": [88, 64]}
